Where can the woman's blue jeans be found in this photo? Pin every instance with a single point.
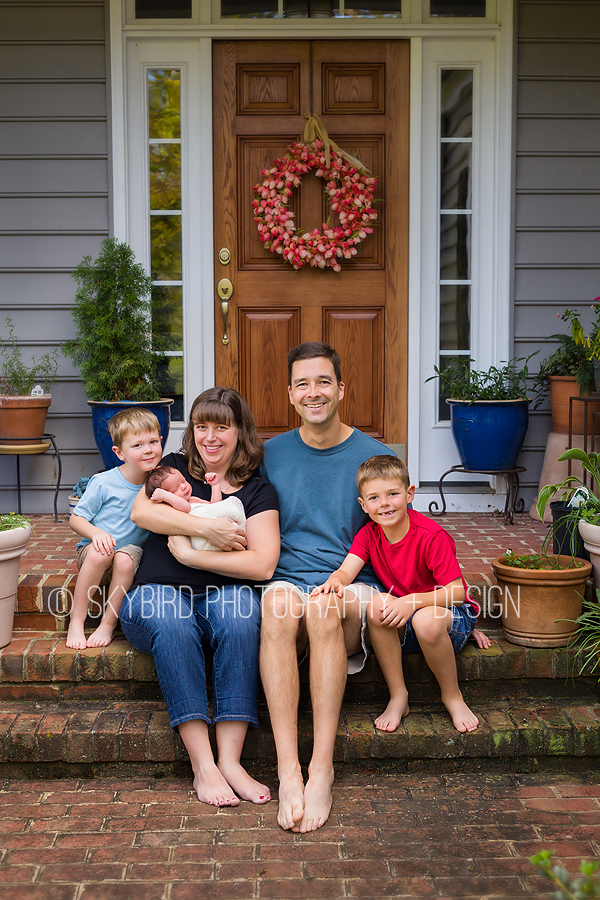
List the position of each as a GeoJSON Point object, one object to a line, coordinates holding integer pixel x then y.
{"type": "Point", "coordinates": [176, 627]}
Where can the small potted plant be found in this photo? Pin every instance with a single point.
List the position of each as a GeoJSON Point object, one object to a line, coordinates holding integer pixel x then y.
{"type": "Point", "coordinates": [15, 532]}
{"type": "Point", "coordinates": [24, 391]}
{"type": "Point", "coordinates": [489, 412]}
{"type": "Point", "coordinates": [114, 348]}
{"type": "Point", "coordinates": [570, 372]}
{"type": "Point", "coordinates": [542, 596]}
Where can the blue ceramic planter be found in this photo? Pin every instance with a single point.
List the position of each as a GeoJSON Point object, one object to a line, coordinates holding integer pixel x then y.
{"type": "Point", "coordinates": [103, 410]}
{"type": "Point", "coordinates": [489, 433]}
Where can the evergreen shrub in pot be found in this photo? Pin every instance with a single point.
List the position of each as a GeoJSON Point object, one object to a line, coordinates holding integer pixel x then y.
{"type": "Point", "coordinates": [115, 349]}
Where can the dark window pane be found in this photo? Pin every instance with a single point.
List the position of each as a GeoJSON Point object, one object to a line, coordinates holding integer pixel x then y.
{"type": "Point", "coordinates": [165, 176]}
{"type": "Point", "coordinates": [445, 362]}
{"type": "Point", "coordinates": [249, 9]}
{"type": "Point", "coordinates": [455, 324]}
{"type": "Point", "coordinates": [164, 88]}
{"type": "Point", "coordinates": [309, 9]}
{"type": "Point", "coordinates": [170, 377]}
{"type": "Point", "coordinates": [376, 10]}
{"type": "Point", "coordinates": [165, 248]}
{"type": "Point", "coordinates": [457, 8]}
{"type": "Point", "coordinates": [167, 317]}
{"type": "Point", "coordinates": [457, 103]}
{"type": "Point", "coordinates": [163, 9]}
{"type": "Point", "coordinates": [455, 187]}
{"type": "Point", "coordinates": [455, 247]}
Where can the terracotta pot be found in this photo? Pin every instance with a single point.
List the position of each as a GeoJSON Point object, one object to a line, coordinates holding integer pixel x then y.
{"type": "Point", "coordinates": [591, 541]}
{"type": "Point", "coordinates": [12, 544]}
{"type": "Point", "coordinates": [23, 419]}
{"type": "Point", "coordinates": [562, 387]}
{"type": "Point", "coordinates": [536, 602]}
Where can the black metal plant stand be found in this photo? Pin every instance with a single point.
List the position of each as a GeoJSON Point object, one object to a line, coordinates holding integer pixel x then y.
{"type": "Point", "coordinates": [511, 479]}
{"type": "Point", "coordinates": [34, 449]}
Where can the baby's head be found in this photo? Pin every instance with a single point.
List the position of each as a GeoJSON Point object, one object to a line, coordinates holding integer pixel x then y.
{"type": "Point", "coordinates": [134, 421]}
{"type": "Point", "coordinates": [169, 479]}
{"type": "Point", "coordinates": [383, 485]}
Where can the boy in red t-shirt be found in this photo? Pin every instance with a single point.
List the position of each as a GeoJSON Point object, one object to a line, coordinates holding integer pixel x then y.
{"type": "Point", "coordinates": [427, 608]}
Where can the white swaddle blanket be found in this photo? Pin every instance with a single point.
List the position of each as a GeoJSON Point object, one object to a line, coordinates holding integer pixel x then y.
{"type": "Point", "coordinates": [230, 507]}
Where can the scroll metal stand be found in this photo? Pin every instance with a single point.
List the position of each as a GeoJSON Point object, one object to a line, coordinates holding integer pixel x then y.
{"type": "Point", "coordinates": [33, 449]}
{"type": "Point", "coordinates": [511, 479]}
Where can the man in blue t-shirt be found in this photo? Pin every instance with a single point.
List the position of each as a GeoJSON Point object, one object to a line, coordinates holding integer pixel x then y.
{"type": "Point", "coordinates": [313, 470]}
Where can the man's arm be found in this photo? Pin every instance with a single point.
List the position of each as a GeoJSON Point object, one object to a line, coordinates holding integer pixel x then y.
{"type": "Point", "coordinates": [341, 578]}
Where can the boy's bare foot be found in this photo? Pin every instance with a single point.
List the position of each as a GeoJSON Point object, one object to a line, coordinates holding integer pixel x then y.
{"type": "Point", "coordinates": [481, 639]}
{"type": "Point", "coordinates": [317, 802]}
{"type": "Point", "coordinates": [76, 636]}
{"type": "Point", "coordinates": [291, 801]}
{"type": "Point", "coordinates": [393, 714]}
{"type": "Point", "coordinates": [211, 787]}
{"type": "Point", "coordinates": [462, 717]}
{"type": "Point", "coordinates": [102, 636]}
{"type": "Point", "coordinates": [245, 786]}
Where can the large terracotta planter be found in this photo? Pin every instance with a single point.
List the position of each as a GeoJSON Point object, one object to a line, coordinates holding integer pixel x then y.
{"type": "Point", "coordinates": [12, 544]}
{"type": "Point", "coordinates": [539, 606]}
{"type": "Point", "coordinates": [23, 419]}
{"type": "Point", "coordinates": [591, 541]}
{"type": "Point", "coordinates": [562, 387]}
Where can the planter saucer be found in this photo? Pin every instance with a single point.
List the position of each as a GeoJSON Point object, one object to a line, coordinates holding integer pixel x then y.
{"type": "Point", "coordinates": [13, 448]}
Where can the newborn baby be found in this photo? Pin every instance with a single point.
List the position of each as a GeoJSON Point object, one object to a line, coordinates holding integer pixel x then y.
{"type": "Point", "coordinates": [167, 485]}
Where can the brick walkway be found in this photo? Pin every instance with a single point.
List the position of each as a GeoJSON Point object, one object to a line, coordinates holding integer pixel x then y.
{"type": "Point", "coordinates": [408, 836]}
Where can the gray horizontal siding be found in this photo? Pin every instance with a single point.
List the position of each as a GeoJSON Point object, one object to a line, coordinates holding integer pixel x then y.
{"type": "Point", "coordinates": [557, 181]}
{"type": "Point", "coordinates": [53, 210]}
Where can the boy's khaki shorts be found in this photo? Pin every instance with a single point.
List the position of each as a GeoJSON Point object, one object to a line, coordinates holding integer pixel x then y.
{"type": "Point", "coordinates": [132, 550]}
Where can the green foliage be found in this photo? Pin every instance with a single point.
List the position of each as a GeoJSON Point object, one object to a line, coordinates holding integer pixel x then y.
{"type": "Point", "coordinates": [113, 347]}
{"type": "Point", "coordinates": [11, 520]}
{"type": "Point", "coordinates": [536, 561]}
{"type": "Point", "coordinates": [570, 887]}
{"type": "Point", "coordinates": [589, 509]}
{"type": "Point", "coordinates": [17, 379]}
{"type": "Point", "coordinates": [505, 382]}
{"type": "Point", "coordinates": [587, 638]}
{"type": "Point", "coordinates": [574, 356]}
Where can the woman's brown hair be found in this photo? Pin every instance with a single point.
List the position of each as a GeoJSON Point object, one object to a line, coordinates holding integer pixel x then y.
{"type": "Point", "coordinates": [224, 406]}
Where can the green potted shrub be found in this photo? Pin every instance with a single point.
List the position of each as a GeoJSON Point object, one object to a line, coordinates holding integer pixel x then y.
{"type": "Point", "coordinates": [542, 596]}
{"type": "Point", "coordinates": [15, 532]}
{"type": "Point", "coordinates": [569, 372]}
{"type": "Point", "coordinates": [489, 412]}
{"type": "Point", "coordinates": [23, 413]}
{"type": "Point", "coordinates": [114, 347]}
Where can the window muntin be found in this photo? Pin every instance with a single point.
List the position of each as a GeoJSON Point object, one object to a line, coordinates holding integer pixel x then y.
{"type": "Point", "coordinates": [166, 228]}
{"type": "Point", "coordinates": [455, 219]}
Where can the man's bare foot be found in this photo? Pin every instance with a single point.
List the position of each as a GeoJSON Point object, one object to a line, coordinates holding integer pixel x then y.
{"type": "Point", "coordinates": [211, 787]}
{"type": "Point", "coordinates": [481, 639]}
{"type": "Point", "coordinates": [317, 801]}
{"type": "Point", "coordinates": [102, 636]}
{"type": "Point", "coordinates": [291, 801]}
{"type": "Point", "coordinates": [244, 786]}
{"type": "Point", "coordinates": [462, 717]}
{"type": "Point", "coordinates": [393, 714]}
{"type": "Point", "coordinates": [76, 636]}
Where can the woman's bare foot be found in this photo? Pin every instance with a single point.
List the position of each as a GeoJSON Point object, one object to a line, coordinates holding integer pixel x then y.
{"type": "Point", "coordinates": [291, 801]}
{"type": "Point", "coordinates": [244, 786]}
{"type": "Point", "coordinates": [481, 639]}
{"type": "Point", "coordinates": [317, 801]}
{"type": "Point", "coordinates": [102, 636]}
{"type": "Point", "coordinates": [211, 787]}
{"type": "Point", "coordinates": [76, 636]}
{"type": "Point", "coordinates": [393, 714]}
{"type": "Point", "coordinates": [462, 717]}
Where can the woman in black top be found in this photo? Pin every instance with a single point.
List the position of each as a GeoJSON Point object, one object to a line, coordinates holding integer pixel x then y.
{"type": "Point", "coordinates": [184, 601]}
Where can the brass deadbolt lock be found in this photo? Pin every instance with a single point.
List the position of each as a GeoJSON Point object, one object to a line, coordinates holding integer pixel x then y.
{"type": "Point", "coordinates": [224, 256]}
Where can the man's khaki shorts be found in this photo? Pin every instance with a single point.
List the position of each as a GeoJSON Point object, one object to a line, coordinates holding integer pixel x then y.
{"type": "Point", "coordinates": [132, 550]}
{"type": "Point", "coordinates": [363, 592]}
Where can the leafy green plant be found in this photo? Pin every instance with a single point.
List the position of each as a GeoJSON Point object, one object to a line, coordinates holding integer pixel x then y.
{"type": "Point", "coordinates": [570, 887]}
{"type": "Point", "coordinates": [571, 358]}
{"type": "Point", "coordinates": [459, 381]}
{"type": "Point", "coordinates": [114, 347]}
{"type": "Point", "coordinates": [18, 378]}
{"type": "Point", "coordinates": [11, 520]}
{"type": "Point", "coordinates": [586, 638]}
{"type": "Point", "coordinates": [589, 508]}
{"type": "Point", "coordinates": [536, 561]}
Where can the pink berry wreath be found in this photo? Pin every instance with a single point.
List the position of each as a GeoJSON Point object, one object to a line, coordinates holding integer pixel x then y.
{"type": "Point", "coordinates": [349, 189]}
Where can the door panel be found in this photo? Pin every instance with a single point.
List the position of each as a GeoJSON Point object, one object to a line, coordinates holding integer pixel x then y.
{"type": "Point", "coordinates": [360, 90]}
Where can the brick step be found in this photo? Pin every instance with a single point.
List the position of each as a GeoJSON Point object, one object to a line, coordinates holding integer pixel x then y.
{"type": "Point", "coordinates": [82, 734]}
{"type": "Point", "coordinates": [37, 665]}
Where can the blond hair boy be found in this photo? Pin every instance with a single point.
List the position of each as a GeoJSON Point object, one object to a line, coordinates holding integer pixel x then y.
{"type": "Point", "coordinates": [426, 607]}
{"type": "Point", "coordinates": [111, 547]}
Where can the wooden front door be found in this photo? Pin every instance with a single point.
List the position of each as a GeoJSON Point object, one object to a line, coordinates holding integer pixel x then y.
{"type": "Point", "coordinates": [262, 92]}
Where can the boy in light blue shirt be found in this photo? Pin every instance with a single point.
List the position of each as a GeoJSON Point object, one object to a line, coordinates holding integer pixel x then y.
{"type": "Point", "coordinates": [111, 549]}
